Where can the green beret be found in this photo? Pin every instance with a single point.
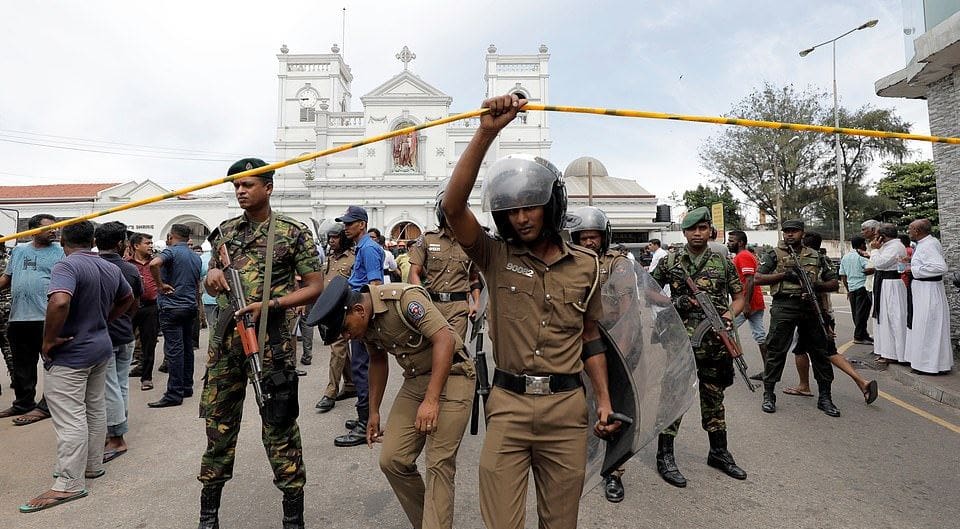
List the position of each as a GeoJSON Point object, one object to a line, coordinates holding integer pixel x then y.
{"type": "Point", "coordinates": [695, 216]}
{"type": "Point", "coordinates": [792, 224]}
{"type": "Point", "coordinates": [247, 164]}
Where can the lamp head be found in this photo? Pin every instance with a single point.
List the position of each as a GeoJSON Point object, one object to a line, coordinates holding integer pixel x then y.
{"type": "Point", "coordinates": [806, 52]}
{"type": "Point", "coordinates": [869, 24]}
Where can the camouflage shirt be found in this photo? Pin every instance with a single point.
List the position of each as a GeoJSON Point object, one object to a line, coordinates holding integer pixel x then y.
{"type": "Point", "coordinates": [712, 273]}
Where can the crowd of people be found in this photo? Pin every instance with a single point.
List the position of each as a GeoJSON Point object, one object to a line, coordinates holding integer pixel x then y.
{"type": "Point", "coordinates": [89, 316]}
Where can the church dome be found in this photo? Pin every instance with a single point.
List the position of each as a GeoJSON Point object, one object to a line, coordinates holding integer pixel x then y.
{"type": "Point", "coordinates": [578, 167]}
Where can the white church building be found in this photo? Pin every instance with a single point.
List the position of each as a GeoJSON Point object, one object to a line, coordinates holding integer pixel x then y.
{"type": "Point", "coordinates": [395, 180]}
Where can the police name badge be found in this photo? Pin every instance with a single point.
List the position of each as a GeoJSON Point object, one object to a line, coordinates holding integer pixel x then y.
{"type": "Point", "coordinates": [434, 247]}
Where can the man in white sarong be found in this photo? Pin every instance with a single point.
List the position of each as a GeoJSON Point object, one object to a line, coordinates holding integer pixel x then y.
{"type": "Point", "coordinates": [928, 338]}
{"type": "Point", "coordinates": [889, 297]}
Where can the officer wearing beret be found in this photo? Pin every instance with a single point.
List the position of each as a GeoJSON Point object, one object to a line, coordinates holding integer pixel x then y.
{"type": "Point", "coordinates": [544, 320]}
{"type": "Point", "coordinates": [433, 405]}
{"type": "Point", "coordinates": [790, 311]}
{"type": "Point", "coordinates": [715, 275]}
{"type": "Point", "coordinates": [246, 239]}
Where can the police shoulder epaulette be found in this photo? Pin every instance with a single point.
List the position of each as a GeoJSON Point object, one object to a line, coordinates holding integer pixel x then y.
{"type": "Point", "coordinates": [582, 249]}
{"type": "Point", "coordinates": [390, 292]}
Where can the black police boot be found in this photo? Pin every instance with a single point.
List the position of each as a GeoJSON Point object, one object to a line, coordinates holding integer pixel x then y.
{"type": "Point", "coordinates": [769, 400]}
{"type": "Point", "coordinates": [355, 437]}
{"type": "Point", "coordinates": [613, 488]}
{"type": "Point", "coordinates": [210, 507]}
{"type": "Point", "coordinates": [666, 464]}
{"type": "Point", "coordinates": [719, 457]}
{"type": "Point", "coordinates": [825, 402]}
{"type": "Point", "coordinates": [293, 510]}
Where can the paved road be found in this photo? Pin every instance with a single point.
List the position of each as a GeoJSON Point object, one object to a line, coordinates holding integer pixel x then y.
{"type": "Point", "coordinates": [878, 466]}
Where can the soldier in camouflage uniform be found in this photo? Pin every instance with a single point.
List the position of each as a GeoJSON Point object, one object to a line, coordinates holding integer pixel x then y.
{"type": "Point", "coordinates": [245, 240]}
{"type": "Point", "coordinates": [590, 227]}
{"type": "Point", "coordinates": [716, 276]}
{"type": "Point", "coordinates": [4, 316]}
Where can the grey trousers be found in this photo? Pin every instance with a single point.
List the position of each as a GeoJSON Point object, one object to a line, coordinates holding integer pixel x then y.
{"type": "Point", "coordinates": [79, 412]}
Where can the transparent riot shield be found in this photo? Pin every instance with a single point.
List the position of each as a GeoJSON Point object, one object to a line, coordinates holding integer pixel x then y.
{"type": "Point", "coordinates": [651, 371]}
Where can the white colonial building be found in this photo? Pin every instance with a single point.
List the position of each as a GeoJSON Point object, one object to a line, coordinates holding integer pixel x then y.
{"type": "Point", "coordinates": [395, 180]}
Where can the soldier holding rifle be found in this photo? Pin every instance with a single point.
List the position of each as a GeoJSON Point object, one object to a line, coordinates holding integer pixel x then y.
{"type": "Point", "coordinates": [694, 269]}
{"type": "Point", "coordinates": [260, 244]}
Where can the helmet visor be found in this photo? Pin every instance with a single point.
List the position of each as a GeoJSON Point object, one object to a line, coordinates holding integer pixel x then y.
{"type": "Point", "coordinates": [586, 218]}
{"type": "Point", "coordinates": [517, 182]}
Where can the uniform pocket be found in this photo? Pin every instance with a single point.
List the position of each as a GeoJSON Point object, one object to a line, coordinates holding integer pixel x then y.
{"type": "Point", "coordinates": [515, 299]}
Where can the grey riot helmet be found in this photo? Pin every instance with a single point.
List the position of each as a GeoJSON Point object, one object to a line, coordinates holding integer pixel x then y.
{"type": "Point", "coordinates": [522, 181]}
{"type": "Point", "coordinates": [330, 228]}
{"type": "Point", "coordinates": [589, 218]}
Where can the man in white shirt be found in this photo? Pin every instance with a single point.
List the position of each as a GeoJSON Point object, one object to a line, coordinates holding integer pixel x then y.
{"type": "Point", "coordinates": [889, 297]}
{"type": "Point", "coordinates": [657, 253]}
{"type": "Point", "coordinates": [928, 335]}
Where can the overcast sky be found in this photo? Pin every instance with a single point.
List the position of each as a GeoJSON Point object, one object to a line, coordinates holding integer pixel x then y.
{"type": "Point", "coordinates": [201, 75]}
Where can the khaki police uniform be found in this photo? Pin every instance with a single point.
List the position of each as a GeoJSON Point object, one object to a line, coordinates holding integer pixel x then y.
{"type": "Point", "coordinates": [340, 264]}
{"type": "Point", "coordinates": [403, 320]}
{"type": "Point", "coordinates": [537, 313]}
{"type": "Point", "coordinates": [448, 271]}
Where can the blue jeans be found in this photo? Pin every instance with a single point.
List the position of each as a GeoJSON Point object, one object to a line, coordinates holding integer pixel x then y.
{"type": "Point", "coordinates": [117, 388]}
{"type": "Point", "coordinates": [177, 328]}
{"type": "Point", "coordinates": [756, 325]}
{"type": "Point", "coordinates": [359, 363]}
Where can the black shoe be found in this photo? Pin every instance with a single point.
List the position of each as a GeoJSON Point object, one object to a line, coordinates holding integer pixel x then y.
{"type": "Point", "coordinates": [356, 437]}
{"type": "Point", "coordinates": [613, 488]}
{"type": "Point", "coordinates": [293, 510]}
{"type": "Point", "coordinates": [165, 402]}
{"type": "Point", "coordinates": [163, 367]}
{"type": "Point", "coordinates": [769, 402]}
{"type": "Point", "coordinates": [719, 457]}
{"type": "Point", "coordinates": [825, 404]}
{"type": "Point", "coordinates": [344, 395]}
{"type": "Point", "coordinates": [210, 507]}
{"type": "Point", "coordinates": [350, 424]}
{"type": "Point", "coordinates": [326, 404]}
{"type": "Point", "coordinates": [306, 360]}
{"type": "Point", "coordinates": [301, 373]}
{"type": "Point", "coordinates": [136, 372]}
{"type": "Point", "coordinates": [758, 376]}
{"type": "Point", "coordinates": [666, 464]}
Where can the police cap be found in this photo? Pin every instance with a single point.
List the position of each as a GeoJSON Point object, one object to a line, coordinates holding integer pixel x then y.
{"type": "Point", "coordinates": [247, 164]}
{"type": "Point", "coordinates": [792, 224]}
{"type": "Point", "coordinates": [695, 216]}
{"type": "Point", "coordinates": [330, 310]}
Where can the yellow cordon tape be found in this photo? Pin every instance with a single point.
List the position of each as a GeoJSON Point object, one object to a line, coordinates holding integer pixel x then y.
{"type": "Point", "coordinates": [474, 113]}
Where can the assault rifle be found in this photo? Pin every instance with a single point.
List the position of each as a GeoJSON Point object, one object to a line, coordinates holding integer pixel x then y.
{"type": "Point", "coordinates": [727, 336]}
{"type": "Point", "coordinates": [246, 328]}
{"type": "Point", "coordinates": [808, 289]}
{"type": "Point", "coordinates": [483, 379]}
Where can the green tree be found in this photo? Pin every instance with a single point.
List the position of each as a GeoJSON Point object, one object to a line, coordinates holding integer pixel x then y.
{"type": "Point", "coordinates": [707, 196]}
{"type": "Point", "coordinates": [913, 188]}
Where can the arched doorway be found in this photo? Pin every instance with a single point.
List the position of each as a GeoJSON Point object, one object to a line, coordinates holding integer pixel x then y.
{"type": "Point", "coordinates": [405, 230]}
{"type": "Point", "coordinates": [198, 229]}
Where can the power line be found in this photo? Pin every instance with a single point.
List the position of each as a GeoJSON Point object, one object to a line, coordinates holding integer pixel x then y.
{"type": "Point", "coordinates": [108, 142]}
{"type": "Point", "coordinates": [117, 153]}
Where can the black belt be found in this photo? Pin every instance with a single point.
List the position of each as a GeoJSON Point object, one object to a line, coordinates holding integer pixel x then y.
{"type": "Point", "coordinates": [932, 279]}
{"type": "Point", "coordinates": [536, 384]}
{"type": "Point", "coordinates": [887, 274]}
{"type": "Point", "coordinates": [448, 296]}
{"type": "Point", "coordinates": [787, 296]}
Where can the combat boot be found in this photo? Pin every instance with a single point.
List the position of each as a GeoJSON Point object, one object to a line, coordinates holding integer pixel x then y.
{"type": "Point", "coordinates": [825, 402]}
{"type": "Point", "coordinates": [769, 400]}
{"type": "Point", "coordinates": [293, 510]}
{"type": "Point", "coordinates": [210, 507]}
{"type": "Point", "coordinates": [721, 458]}
{"type": "Point", "coordinates": [763, 356]}
{"type": "Point", "coordinates": [666, 464]}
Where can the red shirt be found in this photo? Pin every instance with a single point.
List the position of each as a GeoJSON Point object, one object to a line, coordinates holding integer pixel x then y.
{"type": "Point", "coordinates": [746, 264]}
{"type": "Point", "coordinates": [149, 285]}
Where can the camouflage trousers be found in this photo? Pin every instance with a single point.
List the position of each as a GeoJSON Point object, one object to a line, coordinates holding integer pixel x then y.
{"type": "Point", "coordinates": [711, 410]}
{"type": "Point", "coordinates": [221, 405]}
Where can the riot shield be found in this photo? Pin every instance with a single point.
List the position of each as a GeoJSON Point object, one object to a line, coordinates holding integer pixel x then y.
{"type": "Point", "coordinates": [651, 371]}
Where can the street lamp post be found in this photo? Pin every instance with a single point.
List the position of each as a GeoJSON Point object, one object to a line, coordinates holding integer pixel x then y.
{"type": "Point", "coordinates": [836, 121]}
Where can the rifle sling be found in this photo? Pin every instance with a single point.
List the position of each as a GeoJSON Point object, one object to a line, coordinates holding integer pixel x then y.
{"type": "Point", "coordinates": [267, 282]}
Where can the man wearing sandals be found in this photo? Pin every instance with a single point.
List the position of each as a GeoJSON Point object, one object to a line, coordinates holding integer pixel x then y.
{"type": "Point", "coordinates": [85, 293]}
{"type": "Point", "coordinates": [27, 275]}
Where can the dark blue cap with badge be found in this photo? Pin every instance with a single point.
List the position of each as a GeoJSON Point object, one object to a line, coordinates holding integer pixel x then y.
{"type": "Point", "coordinates": [248, 164]}
{"type": "Point", "coordinates": [330, 310]}
{"type": "Point", "coordinates": [353, 214]}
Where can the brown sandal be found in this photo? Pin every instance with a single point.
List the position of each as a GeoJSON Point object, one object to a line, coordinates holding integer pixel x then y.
{"type": "Point", "coordinates": [32, 416]}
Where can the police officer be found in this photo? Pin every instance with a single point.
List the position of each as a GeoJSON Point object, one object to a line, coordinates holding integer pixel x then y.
{"type": "Point", "coordinates": [246, 239]}
{"type": "Point", "coordinates": [715, 275]}
{"type": "Point", "coordinates": [438, 262]}
{"type": "Point", "coordinates": [339, 263]}
{"type": "Point", "coordinates": [433, 405]}
{"type": "Point", "coordinates": [791, 311]}
{"type": "Point", "coordinates": [589, 227]}
{"type": "Point", "coordinates": [544, 320]}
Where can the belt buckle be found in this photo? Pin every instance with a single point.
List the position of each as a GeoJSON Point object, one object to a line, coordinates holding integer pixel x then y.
{"type": "Point", "coordinates": [537, 385]}
{"type": "Point", "coordinates": [444, 296]}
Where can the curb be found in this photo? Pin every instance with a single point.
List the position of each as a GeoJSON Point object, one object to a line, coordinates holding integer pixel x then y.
{"type": "Point", "coordinates": [925, 385]}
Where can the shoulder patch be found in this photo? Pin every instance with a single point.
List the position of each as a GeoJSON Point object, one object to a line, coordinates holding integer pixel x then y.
{"type": "Point", "coordinates": [415, 311]}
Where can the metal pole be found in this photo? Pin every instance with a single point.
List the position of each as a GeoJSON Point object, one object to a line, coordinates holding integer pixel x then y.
{"type": "Point", "coordinates": [836, 123]}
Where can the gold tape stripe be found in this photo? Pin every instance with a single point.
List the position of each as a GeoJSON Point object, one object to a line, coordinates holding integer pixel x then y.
{"type": "Point", "coordinates": [474, 113]}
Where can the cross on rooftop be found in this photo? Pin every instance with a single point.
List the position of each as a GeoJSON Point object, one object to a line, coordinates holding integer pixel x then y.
{"type": "Point", "coordinates": [405, 56]}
